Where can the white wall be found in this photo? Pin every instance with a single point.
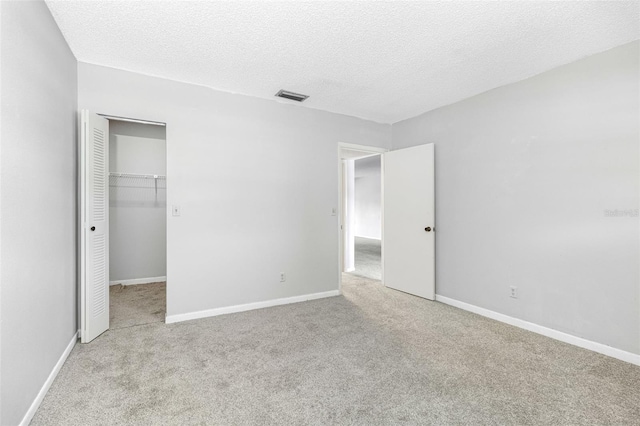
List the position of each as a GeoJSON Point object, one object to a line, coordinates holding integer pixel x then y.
{"type": "Point", "coordinates": [256, 181]}
{"type": "Point", "coordinates": [524, 176]}
{"type": "Point", "coordinates": [368, 190]}
{"type": "Point", "coordinates": [137, 212]}
{"type": "Point", "coordinates": [38, 189]}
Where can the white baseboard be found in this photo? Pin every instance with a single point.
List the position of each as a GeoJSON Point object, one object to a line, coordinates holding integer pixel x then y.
{"type": "Point", "coordinates": [349, 269]}
{"type": "Point", "coordinates": [545, 331]}
{"type": "Point", "coordinates": [47, 384]}
{"type": "Point", "coordinates": [248, 307]}
{"type": "Point", "coordinates": [139, 281]}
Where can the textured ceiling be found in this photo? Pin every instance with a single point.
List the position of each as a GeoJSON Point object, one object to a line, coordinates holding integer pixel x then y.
{"type": "Point", "coordinates": [383, 61]}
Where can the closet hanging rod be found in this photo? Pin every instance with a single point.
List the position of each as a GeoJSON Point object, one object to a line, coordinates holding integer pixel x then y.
{"type": "Point", "coordinates": [136, 175]}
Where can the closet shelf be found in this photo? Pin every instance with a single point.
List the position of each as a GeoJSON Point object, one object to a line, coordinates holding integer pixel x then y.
{"type": "Point", "coordinates": [136, 180]}
{"type": "Point", "coordinates": [136, 175]}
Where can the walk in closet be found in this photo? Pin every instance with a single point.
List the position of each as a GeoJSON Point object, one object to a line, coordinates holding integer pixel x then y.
{"type": "Point", "coordinates": [137, 223]}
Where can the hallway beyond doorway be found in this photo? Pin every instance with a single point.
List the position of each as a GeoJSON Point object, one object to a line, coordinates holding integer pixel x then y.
{"type": "Point", "coordinates": [368, 258]}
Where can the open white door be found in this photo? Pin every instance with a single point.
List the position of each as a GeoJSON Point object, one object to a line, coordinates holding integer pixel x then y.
{"type": "Point", "coordinates": [94, 226]}
{"type": "Point", "coordinates": [408, 223]}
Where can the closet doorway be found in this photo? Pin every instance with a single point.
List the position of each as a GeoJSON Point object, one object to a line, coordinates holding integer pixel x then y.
{"type": "Point", "coordinates": [137, 223]}
{"type": "Point", "coordinates": [123, 241]}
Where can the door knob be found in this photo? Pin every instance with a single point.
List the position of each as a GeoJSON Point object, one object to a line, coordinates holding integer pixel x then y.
{"type": "Point", "coordinates": [93, 228]}
{"type": "Point", "coordinates": [428, 229]}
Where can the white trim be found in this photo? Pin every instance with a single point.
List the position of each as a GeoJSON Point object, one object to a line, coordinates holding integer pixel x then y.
{"type": "Point", "coordinates": [47, 384]}
{"type": "Point", "coordinates": [367, 151]}
{"type": "Point", "coordinates": [133, 120]}
{"type": "Point", "coordinates": [139, 281]}
{"type": "Point", "coordinates": [545, 331]}
{"type": "Point", "coordinates": [248, 307]}
{"type": "Point", "coordinates": [82, 227]}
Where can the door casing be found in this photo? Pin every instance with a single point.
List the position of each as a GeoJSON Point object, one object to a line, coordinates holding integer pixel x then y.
{"type": "Point", "coordinates": [353, 150]}
{"type": "Point", "coordinates": [82, 222]}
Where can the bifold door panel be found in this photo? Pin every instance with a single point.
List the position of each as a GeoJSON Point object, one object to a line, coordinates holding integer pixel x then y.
{"type": "Point", "coordinates": [94, 226]}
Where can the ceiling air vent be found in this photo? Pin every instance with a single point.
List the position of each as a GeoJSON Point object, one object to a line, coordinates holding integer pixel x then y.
{"type": "Point", "coordinates": [290, 95]}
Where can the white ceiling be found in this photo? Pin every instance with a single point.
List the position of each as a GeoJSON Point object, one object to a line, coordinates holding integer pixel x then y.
{"type": "Point", "coordinates": [384, 61]}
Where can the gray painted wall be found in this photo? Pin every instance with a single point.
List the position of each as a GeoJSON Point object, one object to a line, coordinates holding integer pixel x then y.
{"type": "Point", "coordinates": [524, 176]}
{"type": "Point", "coordinates": [368, 191]}
{"type": "Point", "coordinates": [38, 295]}
{"type": "Point", "coordinates": [256, 181]}
{"type": "Point", "coordinates": [137, 212]}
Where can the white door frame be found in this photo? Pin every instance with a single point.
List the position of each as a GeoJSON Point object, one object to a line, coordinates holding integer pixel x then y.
{"type": "Point", "coordinates": [366, 151]}
{"type": "Point", "coordinates": [81, 188]}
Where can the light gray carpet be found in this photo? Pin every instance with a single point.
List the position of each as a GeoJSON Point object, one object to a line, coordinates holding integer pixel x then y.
{"type": "Point", "coordinates": [368, 258]}
{"type": "Point", "coordinates": [371, 357]}
{"type": "Point", "coordinates": [136, 304]}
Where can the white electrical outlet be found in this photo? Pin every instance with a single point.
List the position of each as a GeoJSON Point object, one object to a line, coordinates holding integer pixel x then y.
{"type": "Point", "coordinates": [514, 292]}
{"type": "Point", "coordinates": [283, 277]}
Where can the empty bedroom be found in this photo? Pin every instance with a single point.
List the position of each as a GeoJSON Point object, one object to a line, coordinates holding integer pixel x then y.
{"type": "Point", "coordinates": [319, 212]}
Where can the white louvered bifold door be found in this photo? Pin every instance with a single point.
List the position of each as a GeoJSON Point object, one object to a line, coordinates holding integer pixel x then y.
{"type": "Point", "coordinates": [94, 226]}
